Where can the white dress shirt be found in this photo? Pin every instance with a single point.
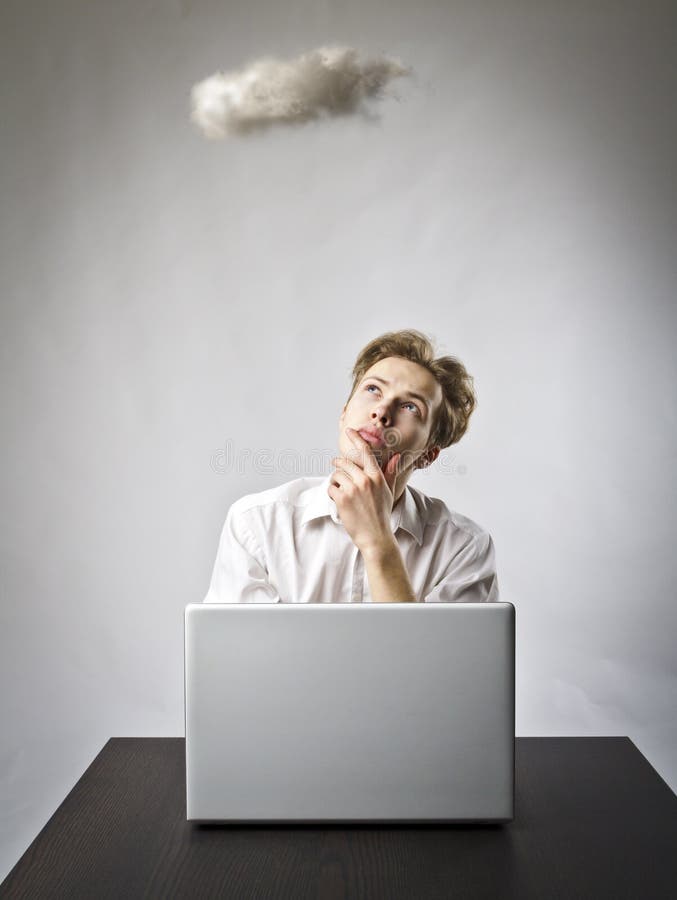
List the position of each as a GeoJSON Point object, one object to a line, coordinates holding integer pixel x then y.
{"type": "Point", "coordinates": [288, 545]}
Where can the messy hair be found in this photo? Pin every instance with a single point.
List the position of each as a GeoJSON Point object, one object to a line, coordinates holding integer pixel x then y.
{"type": "Point", "coordinates": [458, 396]}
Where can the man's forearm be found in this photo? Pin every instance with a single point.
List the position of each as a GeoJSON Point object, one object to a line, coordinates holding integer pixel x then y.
{"type": "Point", "coordinates": [388, 577]}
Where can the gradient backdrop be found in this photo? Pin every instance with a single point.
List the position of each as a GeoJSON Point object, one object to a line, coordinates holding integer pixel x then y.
{"type": "Point", "coordinates": [171, 306]}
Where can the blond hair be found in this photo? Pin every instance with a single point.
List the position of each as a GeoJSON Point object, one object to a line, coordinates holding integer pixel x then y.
{"type": "Point", "coordinates": [450, 421]}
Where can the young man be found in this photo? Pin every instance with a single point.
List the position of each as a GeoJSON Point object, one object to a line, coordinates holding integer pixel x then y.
{"type": "Point", "coordinates": [362, 534]}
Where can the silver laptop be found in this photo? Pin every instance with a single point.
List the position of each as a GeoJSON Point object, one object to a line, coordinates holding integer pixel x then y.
{"type": "Point", "coordinates": [379, 712]}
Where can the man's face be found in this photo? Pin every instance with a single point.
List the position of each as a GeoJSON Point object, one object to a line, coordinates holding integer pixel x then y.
{"type": "Point", "coordinates": [393, 408]}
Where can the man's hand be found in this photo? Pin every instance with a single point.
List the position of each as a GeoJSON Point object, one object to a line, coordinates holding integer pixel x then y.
{"type": "Point", "coordinates": [364, 495]}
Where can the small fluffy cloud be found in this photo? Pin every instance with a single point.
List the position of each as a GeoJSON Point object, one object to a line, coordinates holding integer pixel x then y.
{"type": "Point", "coordinates": [329, 81]}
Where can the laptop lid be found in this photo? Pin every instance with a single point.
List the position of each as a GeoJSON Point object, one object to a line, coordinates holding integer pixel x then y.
{"type": "Point", "coordinates": [341, 712]}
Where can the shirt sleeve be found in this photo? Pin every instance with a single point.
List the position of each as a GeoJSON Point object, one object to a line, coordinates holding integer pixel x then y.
{"type": "Point", "coordinates": [240, 574]}
{"type": "Point", "coordinates": [471, 575]}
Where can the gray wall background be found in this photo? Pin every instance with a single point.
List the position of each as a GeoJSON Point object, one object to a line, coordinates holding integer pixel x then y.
{"type": "Point", "coordinates": [167, 301]}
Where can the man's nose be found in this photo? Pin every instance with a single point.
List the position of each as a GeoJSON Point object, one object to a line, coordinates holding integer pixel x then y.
{"type": "Point", "coordinates": [382, 415]}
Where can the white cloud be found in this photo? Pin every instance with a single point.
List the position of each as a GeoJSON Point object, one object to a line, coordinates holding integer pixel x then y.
{"type": "Point", "coordinates": [328, 81]}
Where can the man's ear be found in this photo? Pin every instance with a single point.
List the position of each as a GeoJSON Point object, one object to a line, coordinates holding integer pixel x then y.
{"type": "Point", "coordinates": [427, 458]}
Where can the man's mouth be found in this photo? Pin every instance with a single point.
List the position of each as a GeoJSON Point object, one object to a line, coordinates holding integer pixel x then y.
{"type": "Point", "coordinates": [376, 440]}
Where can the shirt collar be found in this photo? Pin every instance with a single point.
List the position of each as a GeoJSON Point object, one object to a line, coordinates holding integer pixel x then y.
{"type": "Point", "coordinates": [406, 514]}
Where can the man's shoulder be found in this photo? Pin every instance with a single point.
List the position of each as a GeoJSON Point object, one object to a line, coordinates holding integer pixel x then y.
{"type": "Point", "coordinates": [435, 512]}
{"type": "Point", "coordinates": [288, 495]}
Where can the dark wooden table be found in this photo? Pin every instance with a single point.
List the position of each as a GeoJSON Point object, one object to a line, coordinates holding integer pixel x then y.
{"type": "Point", "coordinates": [592, 819]}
